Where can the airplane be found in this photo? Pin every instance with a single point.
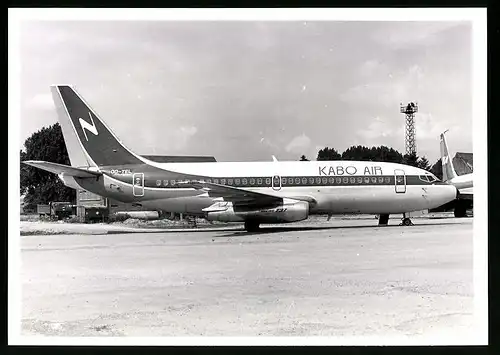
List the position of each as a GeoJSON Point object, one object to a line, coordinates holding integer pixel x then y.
{"type": "Point", "coordinates": [464, 183]}
{"type": "Point", "coordinates": [249, 192]}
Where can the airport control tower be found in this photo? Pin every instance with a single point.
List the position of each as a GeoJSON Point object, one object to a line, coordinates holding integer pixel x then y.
{"type": "Point", "coordinates": [410, 139]}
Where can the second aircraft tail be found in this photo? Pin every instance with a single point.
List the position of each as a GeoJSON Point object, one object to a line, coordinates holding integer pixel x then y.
{"type": "Point", "coordinates": [446, 161]}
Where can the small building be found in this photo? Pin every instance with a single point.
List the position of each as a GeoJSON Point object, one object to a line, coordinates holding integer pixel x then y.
{"type": "Point", "coordinates": [463, 164]}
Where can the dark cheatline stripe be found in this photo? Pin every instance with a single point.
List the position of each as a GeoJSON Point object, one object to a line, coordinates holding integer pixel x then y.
{"type": "Point", "coordinates": [295, 181]}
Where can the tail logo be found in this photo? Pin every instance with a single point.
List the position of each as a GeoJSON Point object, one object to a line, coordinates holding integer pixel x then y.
{"type": "Point", "coordinates": [89, 127]}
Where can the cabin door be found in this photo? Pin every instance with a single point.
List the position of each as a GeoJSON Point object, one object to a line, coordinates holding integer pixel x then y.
{"type": "Point", "coordinates": [138, 184]}
{"type": "Point", "coordinates": [276, 182]}
{"type": "Point", "coordinates": [400, 181]}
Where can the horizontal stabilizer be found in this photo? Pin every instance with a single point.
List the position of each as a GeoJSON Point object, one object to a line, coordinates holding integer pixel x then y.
{"type": "Point", "coordinates": [60, 168]}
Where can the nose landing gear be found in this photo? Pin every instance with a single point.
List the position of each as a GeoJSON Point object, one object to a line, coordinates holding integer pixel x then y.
{"type": "Point", "coordinates": [406, 221]}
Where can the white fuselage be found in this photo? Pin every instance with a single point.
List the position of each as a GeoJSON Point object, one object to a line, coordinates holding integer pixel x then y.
{"type": "Point", "coordinates": [344, 186]}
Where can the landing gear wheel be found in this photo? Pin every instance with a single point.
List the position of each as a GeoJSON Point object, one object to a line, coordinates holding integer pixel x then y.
{"type": "Point", "coordinates": [406, 222]}
{"type": "Point", "coordinates": [251, 226]}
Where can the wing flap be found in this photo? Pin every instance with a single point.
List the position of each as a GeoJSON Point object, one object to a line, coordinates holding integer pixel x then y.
{"type": "Point", "coordinates": [233, 194]}
{"type": "Point", "coordinates": [60, 168]}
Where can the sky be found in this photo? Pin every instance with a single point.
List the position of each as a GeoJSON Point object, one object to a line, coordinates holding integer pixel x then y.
{"type": "Point", "coordinates": [246, 90]}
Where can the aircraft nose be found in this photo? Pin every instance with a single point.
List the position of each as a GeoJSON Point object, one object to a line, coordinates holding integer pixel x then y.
{"type": "Point", "coordinates": [444, 194]}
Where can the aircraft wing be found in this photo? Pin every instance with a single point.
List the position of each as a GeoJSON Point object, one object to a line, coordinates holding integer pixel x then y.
{"type": "Point", "coordinates": [60, 168]}
{"type": "Point", "coordinates": [233, 194]}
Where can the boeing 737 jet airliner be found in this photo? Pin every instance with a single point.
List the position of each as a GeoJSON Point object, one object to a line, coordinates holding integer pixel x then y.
{"type": "Point", "coordinates": [251, 192]}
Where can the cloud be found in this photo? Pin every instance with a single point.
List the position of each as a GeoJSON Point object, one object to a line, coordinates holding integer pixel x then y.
{"type": "Point", "coordinates": [379, 130]}
{"type": "Point", "coordinates": [412, 33]}
{"type": "Point", "coordinates": [327, 80]}
{"type": "Point", "coordinates": [371, 67]}
{"type": "Point", "coordinates": [298, 144]}
{"type": "Point", "coordinates": [188, 131]}
{"type": "Point", "coordinates": [42, 102]}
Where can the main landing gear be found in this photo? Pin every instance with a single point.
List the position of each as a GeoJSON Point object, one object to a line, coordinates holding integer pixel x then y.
{"type": "Point", "coordinates": [406, 221]}
{"type": "Point", "coordinates": [251, 226]}
{"type": "Point", "coordinates": [383, 219]}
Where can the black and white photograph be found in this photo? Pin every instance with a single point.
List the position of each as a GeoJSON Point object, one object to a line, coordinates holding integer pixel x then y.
{"type": "Point", "coordinates": [247, 177]}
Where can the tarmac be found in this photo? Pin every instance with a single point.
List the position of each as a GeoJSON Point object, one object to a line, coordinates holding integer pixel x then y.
{"type": "Point", "coordinates": [342, 278]}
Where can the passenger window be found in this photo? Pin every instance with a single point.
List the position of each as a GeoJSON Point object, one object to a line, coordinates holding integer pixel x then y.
{"type": "Point", "coordinates": [268, 181]}
{"type": "Point", "coordinates": [216, 181]}
{"type": "Point", "coordinates": [244, 181]}
{"type": "Point", "coordinates": [381, 180]}
{"type": "Point", "coordinates": [353, 180]}
{"type": "Point", "coordinates": [229, 181]}
{"type": "Point", "coordinates": [237, 181]}
{"type": "Point", "coordinates": [259, 181]}
{"type": "Point", "coordinates": [318, 181]}
{"type": "Point", "coordinates": [252, 181]}
{"type": "Point", "coordinates": [172, 182]}
{"type": "Point", "coordinates": [283, 181]}
{"type": "Point", "coordinates": [223, 181]}
{"type": "Point", "coordinates": [324, 181]}
{"type": "Point", "coordinates": [367, 180]}
{"type": "Point", "coordinates": [158, 182]}
{"type": "Point", "coordinates": [290, 181]}
{"type": "Point", "coordinates": [387, 180]}
{"type": "Point", "coordinates": [338, 180]}
{"type": "Point", "coordinates": [165, 182]}
{"type": "Point", "coordinates": [209, 180]}
{"type": "Point", "coordinates": [311, 181]}
{"type": "Point", "coordinates": [360, 180]}
{"type": "Point", "coordinates": [374, 180]}
{"type": "Point", "coordinates": [297, 181]}
{"type": "Point", "coordinates": [345, 180]}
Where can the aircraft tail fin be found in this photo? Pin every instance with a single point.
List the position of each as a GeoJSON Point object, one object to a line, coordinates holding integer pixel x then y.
{"type": "Point", "coordinates": [88, 140]}
{"type": "Point", "coordinates": [446, 161]}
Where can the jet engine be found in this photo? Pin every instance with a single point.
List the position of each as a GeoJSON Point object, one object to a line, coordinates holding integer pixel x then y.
{"type": "Point", "coordinates": [289, 211]}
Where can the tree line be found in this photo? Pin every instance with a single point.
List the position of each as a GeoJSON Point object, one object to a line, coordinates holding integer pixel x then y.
{"type": "Point", "coordinates": [38, 186]}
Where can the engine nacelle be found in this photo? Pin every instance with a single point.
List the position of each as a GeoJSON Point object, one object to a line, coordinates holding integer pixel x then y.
{"type": "Point", "coordinates": [289, 211]}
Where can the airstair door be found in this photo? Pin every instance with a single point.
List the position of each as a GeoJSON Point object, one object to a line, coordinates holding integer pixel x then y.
{"type": "Point", "coordinates": [138, 184]}
{"type": "Point", "coordinates": [276, 183]}
{"type": "Point", "coordinates": [400, 181]}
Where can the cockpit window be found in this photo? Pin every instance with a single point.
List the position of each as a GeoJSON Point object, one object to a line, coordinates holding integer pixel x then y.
{"type": "Point", "coordinates": [428, 178]}
{"type": "Point", "coordinates": [432, 178]}
{"type": "Point", "coordinates": [424, 178]}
